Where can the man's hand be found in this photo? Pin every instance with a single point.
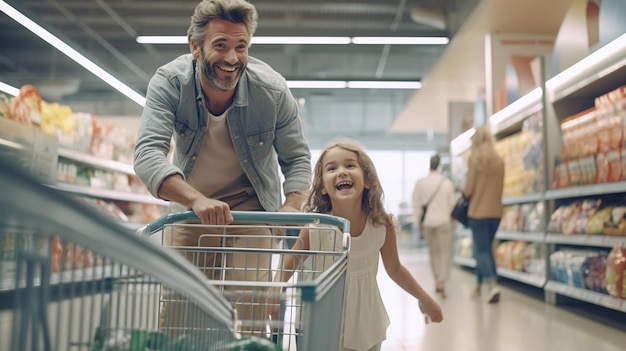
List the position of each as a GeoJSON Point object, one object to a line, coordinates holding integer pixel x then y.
{"type": "Point", "coordinates": [293, 202]}
{"type": "Point", "coordinates": [211, 211]}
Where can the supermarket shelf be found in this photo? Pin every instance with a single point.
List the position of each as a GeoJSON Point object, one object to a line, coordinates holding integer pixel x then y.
{"type": "Point", "coordinates": [526, 278]}
{"type": "Point", "coordinates": [96, 161]}
{"type": "Point", "coordinates": [587, 295]}
{"type": "Point", "coordinates": [12, 145]}
{"type": "Point", "coordinates": [465, 261]}
{"type": "Point", "coordinates": [74, 276]}
{"type": "Point", "coordinates": [109, 194]}
{"type": "Point", "coordinates": [586, 240]}
{"type": "Point", "coordinates": [601, 70]}
{"type": "Point", "coordinates": [511, 116]}
{"type": "Point", "coordinates": [523, 236]}
{"type": "Point", "coordinates": [586, 190]}
{"type": "Point", "coordinates": [520, 199]}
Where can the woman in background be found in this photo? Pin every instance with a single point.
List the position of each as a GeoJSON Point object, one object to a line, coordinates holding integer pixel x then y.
{"type": "Point", "coordinates": [483, 186]}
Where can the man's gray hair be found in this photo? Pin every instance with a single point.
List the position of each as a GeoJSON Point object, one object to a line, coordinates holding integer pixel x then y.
{"type": "Point", "coordinates": [236, 11]}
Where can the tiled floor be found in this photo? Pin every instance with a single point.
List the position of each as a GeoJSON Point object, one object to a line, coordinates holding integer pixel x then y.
{"type": "Point", "coordinates": [520, 322]}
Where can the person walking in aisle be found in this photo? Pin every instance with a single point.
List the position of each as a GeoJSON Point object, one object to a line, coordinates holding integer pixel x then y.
{"type": "Point", "coordinates": [234, 124]}
{"type": "Point", "coordinates": [483, 186]}
{"type": "Point", "coordinates": [345, 184]}
{"type": "Point", "coordinates": [433, 200]}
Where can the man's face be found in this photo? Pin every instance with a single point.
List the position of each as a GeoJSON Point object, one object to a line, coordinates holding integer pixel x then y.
{"type": "Point", "coordinates": [224, 55]}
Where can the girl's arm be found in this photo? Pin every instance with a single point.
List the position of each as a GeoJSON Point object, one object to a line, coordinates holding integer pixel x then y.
{"type": "Point", "coordinates": [401, 276]}
{"type": "Point", "coordinates": [287, 265]}
{"type": "Point", "coordinates": [291, 262]}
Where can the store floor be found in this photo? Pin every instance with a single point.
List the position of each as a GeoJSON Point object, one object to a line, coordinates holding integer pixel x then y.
{"type": "Point", "coordinates": [519, 322]}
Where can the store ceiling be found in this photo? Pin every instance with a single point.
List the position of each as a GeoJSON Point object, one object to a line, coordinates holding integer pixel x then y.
{"type": "Point", "coordinates": [105, 31]}
{"type": "Point", "coordinates": [459, 74]}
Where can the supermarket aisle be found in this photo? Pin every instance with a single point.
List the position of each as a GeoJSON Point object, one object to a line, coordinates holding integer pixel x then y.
{"type": "Point", "coordinates": [518, 323]}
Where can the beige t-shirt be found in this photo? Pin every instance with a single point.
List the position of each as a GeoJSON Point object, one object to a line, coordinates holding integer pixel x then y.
{"type": "Point", "coordinates": [217, 172]}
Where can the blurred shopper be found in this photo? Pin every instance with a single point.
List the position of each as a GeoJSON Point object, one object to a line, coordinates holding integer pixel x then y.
{"type": "Point", "coordinates": [433, 200]}
{"type": "Point", "coordinates": [483, 186]}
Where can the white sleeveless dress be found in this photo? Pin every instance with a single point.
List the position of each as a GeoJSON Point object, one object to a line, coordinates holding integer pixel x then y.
{"type": "Point", "coordinates": [366, 319]}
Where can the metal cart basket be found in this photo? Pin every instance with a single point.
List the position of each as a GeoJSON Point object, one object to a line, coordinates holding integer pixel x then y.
{"type": "Point", "coordinates": [242, 259]}
{"type": "Point", "coordinates": [71, 278]}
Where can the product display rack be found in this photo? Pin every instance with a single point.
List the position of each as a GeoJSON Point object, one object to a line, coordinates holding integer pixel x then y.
{"type": "Point", "coordinates": [109, 165]}
{"type": "Point", "coordinates": [39, 154]}
{"type": "Point", "coordinates": [569, 92]}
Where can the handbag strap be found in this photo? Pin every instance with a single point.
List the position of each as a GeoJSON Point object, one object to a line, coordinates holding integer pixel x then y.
{"type": "Point", "coordinates": [435, 192]}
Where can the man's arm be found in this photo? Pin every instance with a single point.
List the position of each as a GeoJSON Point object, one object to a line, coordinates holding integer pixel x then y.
{"type": "Point", "coordinates": [293, 202]}
{"type": "Point", "coordinates": [210, 211]}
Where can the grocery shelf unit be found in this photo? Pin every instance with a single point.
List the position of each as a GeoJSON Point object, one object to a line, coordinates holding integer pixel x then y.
{"type": "Point", "coordinates": [40, 153]}
{"type": "Point", "coordinates": [569, 92]}
{"type": "Point", "coordinates": [109, 165]}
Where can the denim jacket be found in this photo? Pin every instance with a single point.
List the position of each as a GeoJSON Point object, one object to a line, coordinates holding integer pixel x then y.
{"type": "Point", "coordinates": [263, 121]}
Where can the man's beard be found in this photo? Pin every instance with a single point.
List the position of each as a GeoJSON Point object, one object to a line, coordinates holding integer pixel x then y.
{"type": "Point", "coordinates": [214, 80]}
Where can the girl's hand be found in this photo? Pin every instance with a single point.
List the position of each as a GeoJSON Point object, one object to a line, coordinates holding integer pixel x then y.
{"type": "Point", "coordinates": [431, 310]}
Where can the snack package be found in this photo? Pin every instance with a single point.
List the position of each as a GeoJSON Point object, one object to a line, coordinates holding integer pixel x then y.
{"type": "Point", "coordinates": [615, 264]}
{"type": "Point", "coordinates": [614, 158]}
{"type": "Point", "coordinates": [602, 168]}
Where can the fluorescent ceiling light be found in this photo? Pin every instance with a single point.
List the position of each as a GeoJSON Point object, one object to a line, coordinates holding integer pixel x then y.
{"type": "Point", "coordinates": [301, 40]}
{"type": "Point", "coordinates": [181, 39]}
{"type": "Point", "coordinates": [400, 40]}
{"type": "Point", "coordinates": [339, 84]}
{"type": "Point", "coordinates": [71, 53]}
{"type": "Point", "coordinates": [384, 85]}
{"type": "Point", "coordinates": [162, 39]}
{"type": "Point", "coordinates": [11, 90]}
{"type": "Point", "coordinates": [317, 84]}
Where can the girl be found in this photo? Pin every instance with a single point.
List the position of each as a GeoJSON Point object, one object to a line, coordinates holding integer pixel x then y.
{"type": "Point", "coordinates": [345, 184]}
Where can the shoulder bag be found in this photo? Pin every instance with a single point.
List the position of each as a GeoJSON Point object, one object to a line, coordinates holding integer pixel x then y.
{"type": "Point", "coordinates": [459, 212]}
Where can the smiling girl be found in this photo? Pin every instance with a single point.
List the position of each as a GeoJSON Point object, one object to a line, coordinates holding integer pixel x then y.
{"type": "Point", "coordinates": [345, 184]}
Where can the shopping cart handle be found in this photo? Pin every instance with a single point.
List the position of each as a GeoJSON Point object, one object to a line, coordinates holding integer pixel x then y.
{"type": "Point", "coordinates": [291, 218]}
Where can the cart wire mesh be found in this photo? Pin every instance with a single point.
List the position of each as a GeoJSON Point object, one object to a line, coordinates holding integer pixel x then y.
{"type": "Point", "coordinates": [242, 260]}
{"type": "Point", "coordinates": [72, 278]}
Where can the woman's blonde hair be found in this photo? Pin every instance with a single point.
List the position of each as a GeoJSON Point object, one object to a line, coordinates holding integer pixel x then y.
{"type": "Point", "coordinates": [483, 150]}
{"type": "Point", "coordinates": [373, 198]}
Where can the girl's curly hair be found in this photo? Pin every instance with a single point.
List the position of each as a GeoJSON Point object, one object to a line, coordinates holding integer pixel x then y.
{"type": "Point", "coordinates": [372, 201]}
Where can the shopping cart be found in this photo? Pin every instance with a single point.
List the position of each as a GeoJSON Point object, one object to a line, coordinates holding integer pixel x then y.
{"type": "Point", "coordinates": [71, 278]}
{"type": "Point", "coordinates": [240, 260]}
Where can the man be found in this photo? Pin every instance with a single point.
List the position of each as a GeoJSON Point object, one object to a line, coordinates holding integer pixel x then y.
{"type": "Point", "coordinates": [436, 193]}
{"type": "Point", "coordinates": [234, 124]}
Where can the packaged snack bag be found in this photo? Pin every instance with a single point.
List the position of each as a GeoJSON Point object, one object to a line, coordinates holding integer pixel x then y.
{"type": "Point", "coordinates": [615, 263]}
